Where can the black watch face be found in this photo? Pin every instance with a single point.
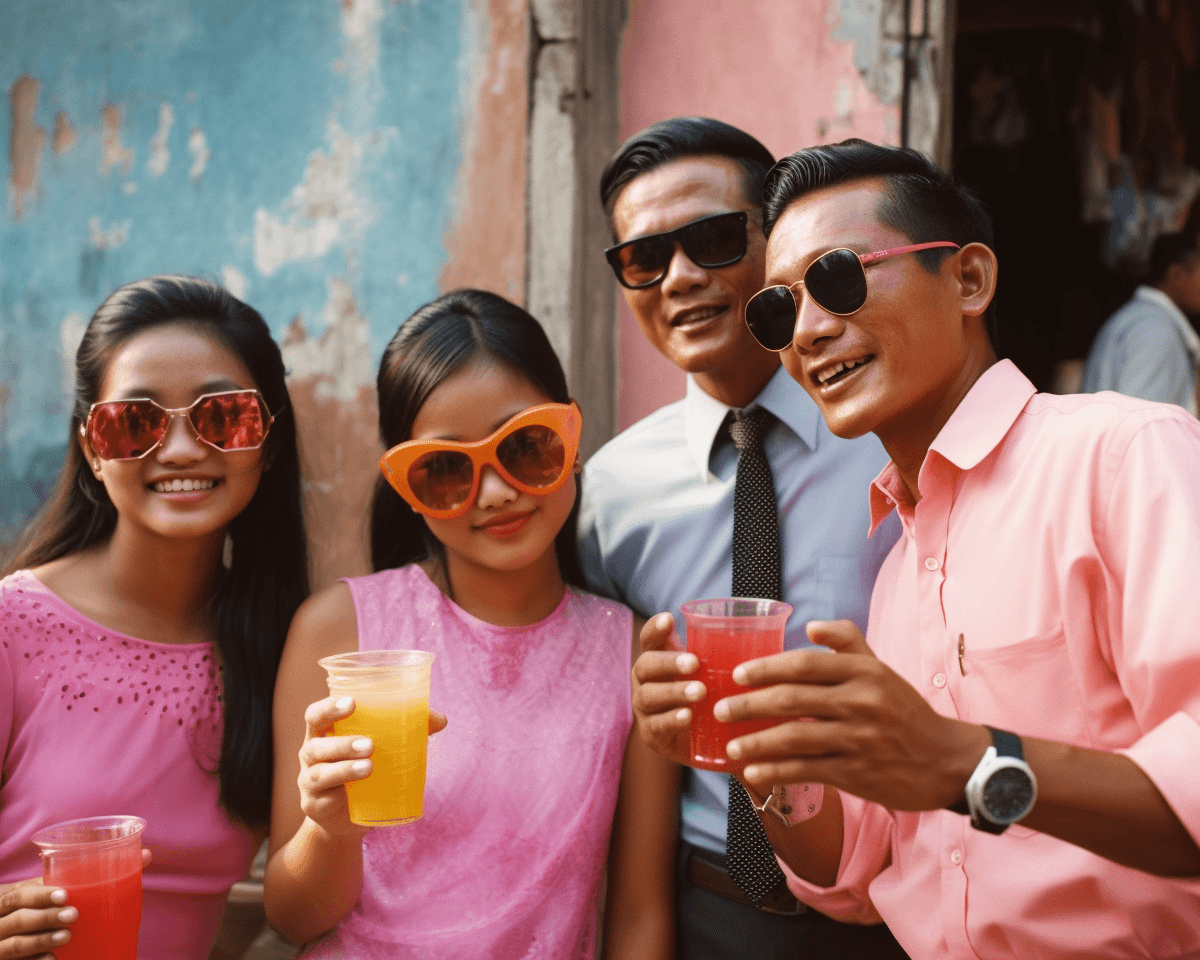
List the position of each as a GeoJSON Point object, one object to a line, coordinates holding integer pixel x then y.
{"type": "Point", "coordinates": [1007, 794]}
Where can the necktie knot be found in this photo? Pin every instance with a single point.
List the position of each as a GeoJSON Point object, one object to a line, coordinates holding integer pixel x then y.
{"type": "Point", "coordinates": [747, 429]}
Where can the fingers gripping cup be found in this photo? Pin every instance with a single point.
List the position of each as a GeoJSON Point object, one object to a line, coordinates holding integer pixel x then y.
{"type": "Point", "coordinates": [722, 634]}
{"type": "Point", "coordinates": [98, 861]}
{"type": "Point", "coordinates": [391, 706]}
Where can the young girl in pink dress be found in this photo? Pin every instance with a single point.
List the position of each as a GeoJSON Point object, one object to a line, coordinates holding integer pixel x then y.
{"type": "Point", "coordinates": [476, 563]}
{"type": "Point", "coordinates": [144, 614]}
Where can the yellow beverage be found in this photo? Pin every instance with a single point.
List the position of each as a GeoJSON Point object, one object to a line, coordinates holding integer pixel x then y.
{"type": "Point", "coordinates": [399, 728]}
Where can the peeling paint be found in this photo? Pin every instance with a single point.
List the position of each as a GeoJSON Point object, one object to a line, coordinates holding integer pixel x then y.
{"type": "Point", "coordinates": [160, 155]}
{"type": "Point", "coordinates": [70, 334]}
{"type": "Point", "coordinates": [63, 138]}
{"type": "Point", "coordinates": [112, 152]}
{"type": "Point", "coordinates": [341, 357]}
{"type": "Point", "coordinates": [198, 148]}
{"type": "Point", "coordinates": [25, 145]}
{"type": "Point", "coordinates": [234, 281]}
{"type": "Point", "coordinates": [360, 26]}
{"type": "Point", "coordinates": [104, 240]}
{"type": "Point", "coordinates": [876, 29]}
{"type": "Point", "coordinates": [323, 210]}
{"type": "Point", "coordinates": [492, 188]}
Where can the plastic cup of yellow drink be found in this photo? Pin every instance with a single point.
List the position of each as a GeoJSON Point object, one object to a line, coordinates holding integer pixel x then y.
{"type": "Point", "coordinates": [391, 706]}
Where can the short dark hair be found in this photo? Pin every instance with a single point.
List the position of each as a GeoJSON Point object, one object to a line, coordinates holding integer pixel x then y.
{"type": "Point", "coordinates": [437, 341]}
{"type": "Point", "coordinates": [1168, 250]}
{"type": "Point", "coordinates": [681, 137]}
{"type": "Point", "coordinates": [920, 200]}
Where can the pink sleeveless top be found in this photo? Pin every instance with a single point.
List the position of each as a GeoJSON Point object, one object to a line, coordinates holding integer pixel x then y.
{"type": "Point", "coordinates": [93, 723]}
{"type": "Point", "coordinates": [521, 786]}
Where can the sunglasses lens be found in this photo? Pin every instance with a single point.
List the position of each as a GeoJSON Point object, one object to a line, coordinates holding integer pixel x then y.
{"type": "Point", "coordinates": [231, 421]}
{"type": "Point", "coordinates": [643, 261]}
{"type": "Point", "coordinates": [837, 282]}
{"type": "Point", "coordinates": [533, 455]}
{"type": "Point", "coordinates": [715, 242]}
{"type": "Point", "coordinates": [442, 480]}
{"type": "Point", "coordinates": [771, 317]}
{"type": "Point", "coordinates": [126, 429]}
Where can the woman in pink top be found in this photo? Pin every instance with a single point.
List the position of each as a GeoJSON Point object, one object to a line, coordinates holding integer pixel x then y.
{"type": "Point", "coordinates": [532, 671]}
{"type": "Point", "coordinates": [145, 611]}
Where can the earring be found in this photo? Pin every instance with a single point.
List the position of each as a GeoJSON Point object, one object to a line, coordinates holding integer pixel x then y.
{"type": "Point", "coordinates": [227, 552]}
{"type": "Point", "coordinates": [578, 468]}
{"type": "Point", "coordinates": [96, 465]}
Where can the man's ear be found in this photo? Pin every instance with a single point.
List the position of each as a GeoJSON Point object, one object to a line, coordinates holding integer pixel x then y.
{"type": "Point", "coordinates": [977, 271]}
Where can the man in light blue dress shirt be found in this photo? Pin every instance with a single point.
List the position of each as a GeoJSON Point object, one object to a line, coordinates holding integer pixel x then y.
{"type": "Point", "coordinates": [1148, 348]}
{"type": "Point", "coordinates": [656, 522]}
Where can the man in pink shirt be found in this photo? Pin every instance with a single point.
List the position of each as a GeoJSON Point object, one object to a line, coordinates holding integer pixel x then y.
{"type": "Point", "coordinates": [1045, 586]}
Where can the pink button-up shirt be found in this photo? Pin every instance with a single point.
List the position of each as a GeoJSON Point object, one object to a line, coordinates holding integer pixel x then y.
{"type": "Point", "coordinates": [1059, 537]}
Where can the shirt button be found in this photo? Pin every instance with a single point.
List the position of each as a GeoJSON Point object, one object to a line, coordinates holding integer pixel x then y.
{"type": "Point", "coordinates": [956, 857]}
{"type": "Point", "coordinates": [939, 679]}
{"type": "Point", "coordinates": [931, 563]}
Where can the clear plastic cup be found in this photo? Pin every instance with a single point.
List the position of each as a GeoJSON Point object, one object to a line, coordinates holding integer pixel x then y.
{"type": "Point", "coordinates": [98, 861]}
{"type": "Point", "coordinates": [723, 633]}
{"type": "Point", "coordinates": [391, 706]}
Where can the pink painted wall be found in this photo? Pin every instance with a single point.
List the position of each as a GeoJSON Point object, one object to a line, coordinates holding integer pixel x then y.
{"type": "Point", "coordinates": [769, 67]}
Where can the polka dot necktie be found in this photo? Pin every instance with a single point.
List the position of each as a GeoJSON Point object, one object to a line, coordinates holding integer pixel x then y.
{"type": "Point", "coordinates": [756, 573]}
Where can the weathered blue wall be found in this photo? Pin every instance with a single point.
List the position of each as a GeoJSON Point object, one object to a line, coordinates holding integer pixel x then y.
{"type": "Point", "coordinates": [303, 152]}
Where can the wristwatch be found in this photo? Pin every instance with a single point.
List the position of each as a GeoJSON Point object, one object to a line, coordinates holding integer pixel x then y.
{"type": "Point", "coordinates": [1003, 789]}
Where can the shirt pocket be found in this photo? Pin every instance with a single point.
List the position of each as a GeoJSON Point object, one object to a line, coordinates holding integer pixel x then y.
{"type": "Point", "coordinates": [1028, 687]}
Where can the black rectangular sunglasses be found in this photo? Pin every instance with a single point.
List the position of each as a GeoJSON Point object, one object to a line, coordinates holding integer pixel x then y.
{"type": "Point", "coordinates": [716, 241]}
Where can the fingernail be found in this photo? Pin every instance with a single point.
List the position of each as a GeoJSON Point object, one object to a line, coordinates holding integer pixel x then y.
{"type": "Point", "coordinates": [739, 674]}
{"type": "Point", "coordinates": [70, 915]}
{"type": "Point", "coordinates": [752, 772]}
{"type": "Point", "coordinates": [361, 745]}
{"type": "Point", "coordinates": [59, 896]}
{"type": "Point", "coordinates": [721, 710]}
{"type": "Point", "coordinates": [662, 621]}
{"type": "Point", "coordinates": [684, 715]}
{"type": "Point", "coordinates": [361, 766]}
{"type": "Point", "coordinates": [733, 750]}
{"type": "Point", "coordinates": [345, 703]}
{"type": "Point", "coordinates": [60, 937]}
{"type": "Point", "coordinates": [687, 662]}
{"type": "Point", "coordinates": [694, 690]}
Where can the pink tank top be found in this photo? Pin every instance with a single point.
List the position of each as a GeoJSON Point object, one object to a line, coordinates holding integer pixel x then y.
{"type": "Point", "coordinates": [92, 723]}
{"type": "Point", "coordinates": [521, 786]}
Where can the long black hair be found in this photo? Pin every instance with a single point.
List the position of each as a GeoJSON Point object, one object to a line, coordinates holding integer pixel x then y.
{"type": "Point", "coordinates": [254, 600]}
{"type": "Point", "coordinates": [437, 341]}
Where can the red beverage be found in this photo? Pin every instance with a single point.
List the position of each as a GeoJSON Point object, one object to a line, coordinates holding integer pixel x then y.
{"type": "Point", "coordinates": [110, 912]}
{"type": "Point", "coordinates": [722, 634]}
{"type": "Point", "coordinates": [98, 861]}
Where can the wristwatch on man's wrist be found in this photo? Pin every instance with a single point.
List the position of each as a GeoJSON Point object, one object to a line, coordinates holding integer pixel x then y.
{"type": "Point", "coordinates": [1003, 789]}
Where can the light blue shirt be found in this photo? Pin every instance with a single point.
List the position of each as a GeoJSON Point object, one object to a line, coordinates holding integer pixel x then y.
{"type": "Point", "coordinates": [1146, 349]}
{"type": "Point", "coordinates": [656, 529]}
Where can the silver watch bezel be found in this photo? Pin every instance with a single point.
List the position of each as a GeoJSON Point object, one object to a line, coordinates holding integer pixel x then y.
{"type": "Point", "coordinates": [990, 764]}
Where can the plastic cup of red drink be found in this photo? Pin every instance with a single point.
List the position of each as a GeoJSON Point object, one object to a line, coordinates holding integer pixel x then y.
{"type": "Point", "coordinates": [98, 861]}
{"type": "Point", "coordinates": [722, 634]}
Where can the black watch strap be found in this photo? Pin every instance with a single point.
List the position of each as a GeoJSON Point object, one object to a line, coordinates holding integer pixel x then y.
{"type": "Point", "coordinates": [1007, 745]}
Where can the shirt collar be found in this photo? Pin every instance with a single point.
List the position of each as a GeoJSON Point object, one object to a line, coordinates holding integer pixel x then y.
{"type": "Point", "coordinates": [1186, 330]}
{"type": "Point", "coordinates": [974, 430]}
{"type": "Point", "coordinates": [782, 396]}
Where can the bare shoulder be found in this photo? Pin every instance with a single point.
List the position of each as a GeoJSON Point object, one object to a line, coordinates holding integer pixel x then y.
{"type": "Point", "coordinates": [325, 623]}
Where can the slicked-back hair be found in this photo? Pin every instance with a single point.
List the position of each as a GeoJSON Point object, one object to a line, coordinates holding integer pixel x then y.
{"type": "Point", "coordinates": [1168, 250]}
{"type": "Point", "coordinates": [437, 341]}
{"type": "Point", "coordinates": [919, 199]}
{"type": "Point", "coordinates": [680, 137]}
{"type": "Point", "coordinates": [254, 600]}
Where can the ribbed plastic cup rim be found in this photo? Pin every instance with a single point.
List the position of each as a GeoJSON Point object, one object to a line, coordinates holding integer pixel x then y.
{"type": "Point", "coordinates": [58, 836]}
{"type": "Point", "coordinates": [363, 662]}
{"type": "Point", "coordinates": [739, 607]}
